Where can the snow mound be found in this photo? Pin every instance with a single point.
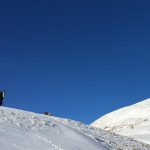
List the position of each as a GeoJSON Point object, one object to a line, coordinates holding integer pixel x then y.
{"type": "Point", "coordinates": [133, 121]}
{"type": "Point", "coordinates": [21, 130]}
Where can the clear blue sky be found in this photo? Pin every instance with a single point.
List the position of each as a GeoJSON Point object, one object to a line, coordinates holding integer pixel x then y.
{"type": "Point", "coordinates": [75, 59]}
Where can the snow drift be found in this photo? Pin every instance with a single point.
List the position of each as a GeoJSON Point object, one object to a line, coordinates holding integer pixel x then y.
{"type": "Point", "coordinates": [21, 130]}
{"type": "Point", "coordinates": [132, 121]}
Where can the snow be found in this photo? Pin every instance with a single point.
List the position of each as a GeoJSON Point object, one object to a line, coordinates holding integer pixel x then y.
{"type": "Point", "coordinates": [22, 130]}
{"type": "Point", "coordinates": [132, 121]}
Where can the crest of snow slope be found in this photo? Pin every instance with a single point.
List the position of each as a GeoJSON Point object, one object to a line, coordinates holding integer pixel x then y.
{"type": "Point", "coordinates": [132, 121]}
{"type": "Point", "coordinates": [21, 130]}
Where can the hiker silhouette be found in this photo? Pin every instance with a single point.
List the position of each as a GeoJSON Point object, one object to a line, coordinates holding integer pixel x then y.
{"type": "Point", "coordinates": [1, 97]}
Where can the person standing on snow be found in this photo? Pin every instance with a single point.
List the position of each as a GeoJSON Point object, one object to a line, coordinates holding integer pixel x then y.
{"type": "Point", "coordinates": [1, 97]}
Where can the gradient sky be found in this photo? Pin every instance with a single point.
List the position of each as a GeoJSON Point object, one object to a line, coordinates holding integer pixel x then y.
{"type": "Point", "coordinates": [75, 59]}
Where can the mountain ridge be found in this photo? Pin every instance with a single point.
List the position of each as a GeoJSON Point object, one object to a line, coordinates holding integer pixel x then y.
{"type": "Point", "coordinates": [22, 130]}
{"type": "Point", "coordinates": [132, 121]}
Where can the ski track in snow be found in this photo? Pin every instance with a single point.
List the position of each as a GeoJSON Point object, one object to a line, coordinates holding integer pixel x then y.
{"type": "Point", "coordinates": [50, 142]}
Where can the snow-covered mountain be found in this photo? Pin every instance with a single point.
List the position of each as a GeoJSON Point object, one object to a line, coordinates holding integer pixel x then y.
{"type": "Point", "coordinates": [132, 121]}
{"type": "Point", "coordinates": [21, 130]}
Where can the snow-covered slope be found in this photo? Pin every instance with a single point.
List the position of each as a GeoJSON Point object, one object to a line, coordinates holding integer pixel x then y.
{"type": "Point", "coordinates": [21, 130]}
{"type": "Point", "coordinates": [133, 121]}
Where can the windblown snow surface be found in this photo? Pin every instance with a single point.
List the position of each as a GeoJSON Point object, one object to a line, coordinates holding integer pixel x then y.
{"type": "Point", "coordinates": [132, 121]}
{"type": "Point", "coordinates": [21, 130]}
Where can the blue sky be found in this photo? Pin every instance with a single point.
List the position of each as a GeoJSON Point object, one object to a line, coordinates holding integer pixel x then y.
{"type": "Point", "coordinates": [75, 59]}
